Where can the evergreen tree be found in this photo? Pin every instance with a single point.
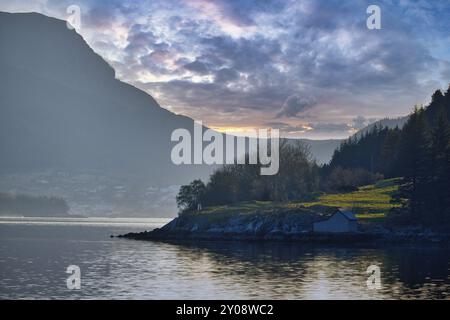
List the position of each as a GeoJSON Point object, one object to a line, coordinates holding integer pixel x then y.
{"type": "Point", "coordinates": [389, 151]}
{"type": "Point", "coordinates": [413, 163]}
{"type": "Point", "coordinates": [440, 169]}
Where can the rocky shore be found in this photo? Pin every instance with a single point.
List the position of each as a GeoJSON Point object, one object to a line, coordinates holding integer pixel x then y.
{"type": "Point", "coordinates": [289, 227]}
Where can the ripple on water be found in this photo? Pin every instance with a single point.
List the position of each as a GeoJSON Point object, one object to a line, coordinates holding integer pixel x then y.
{"type": "Point", "coordinates": [34, 258]}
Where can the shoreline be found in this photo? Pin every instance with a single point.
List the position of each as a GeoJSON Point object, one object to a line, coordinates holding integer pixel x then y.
{"type": "Point", "coordinates": [179, 231]}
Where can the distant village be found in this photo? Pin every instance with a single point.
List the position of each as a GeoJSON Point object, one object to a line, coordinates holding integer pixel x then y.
{"type": "Point", "coordinates": [93, 194]}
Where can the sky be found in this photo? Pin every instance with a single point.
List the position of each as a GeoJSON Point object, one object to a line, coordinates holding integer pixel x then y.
{"type": "Point", "coordinates": [309, 68]}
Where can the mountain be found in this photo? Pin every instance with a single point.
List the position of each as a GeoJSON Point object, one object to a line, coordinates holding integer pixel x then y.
{"type": "Point", "coordinates": [69, 128]}
{"type": "Point", "coordinates": [322, 150]}
{"type": "Point", "coordinates": [62, 108]}
{"type": "Point", "coordinates": [386, 122]}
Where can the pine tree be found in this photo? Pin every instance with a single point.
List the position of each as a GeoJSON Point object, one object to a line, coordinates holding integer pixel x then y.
{"type": "Point", "coordinates": [439, 187]}
{"type": "Point", "coordinates": [388, 152]}
{"type": "Point", "coordinates": [413, 162]}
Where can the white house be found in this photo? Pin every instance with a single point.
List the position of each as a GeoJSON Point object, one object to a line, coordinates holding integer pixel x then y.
{"type": "Point", "coordinates": [340, 221]}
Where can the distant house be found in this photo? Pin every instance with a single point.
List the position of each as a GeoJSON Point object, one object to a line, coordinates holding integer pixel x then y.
{"type": "Point", "coordinates": [340, 221]}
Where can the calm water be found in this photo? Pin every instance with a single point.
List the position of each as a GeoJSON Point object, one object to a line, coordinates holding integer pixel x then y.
{"type": "Point", "coordinates": [34, 255]}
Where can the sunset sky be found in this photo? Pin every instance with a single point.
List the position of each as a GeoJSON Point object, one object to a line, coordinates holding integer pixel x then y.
{"type": "Point", "coordinates": [309, 68]}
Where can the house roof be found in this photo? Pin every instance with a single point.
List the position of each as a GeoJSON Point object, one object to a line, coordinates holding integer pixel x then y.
{"type": "Point", "coordinates": [347, 213]}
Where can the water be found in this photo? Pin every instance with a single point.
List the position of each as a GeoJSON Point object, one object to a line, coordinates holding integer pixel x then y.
{"type": "Point", "coordinates": [35, 252]}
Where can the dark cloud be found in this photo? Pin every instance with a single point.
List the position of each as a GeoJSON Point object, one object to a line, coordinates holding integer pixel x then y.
{"type": "Point", "coordinates": [197, 67]}
{"type": "Point", "coordinates": [243, 54]}
{"type": "Point", "coordinates": [226, 75]}
{"type": "Point", "coordinates": [294, 105]}
{"type": "Point", "coordinates": [278, 54]}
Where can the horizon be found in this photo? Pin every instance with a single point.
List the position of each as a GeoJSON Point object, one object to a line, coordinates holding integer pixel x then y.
{"type": "Point", "coordinates": [320, 73]}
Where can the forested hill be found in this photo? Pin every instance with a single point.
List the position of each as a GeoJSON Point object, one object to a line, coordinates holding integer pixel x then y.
{"type": "Point", "coordinates": [32, 206]}
{"type": "Point", "coordinates": [419, 153]}
{"type": "Point", "coordinates": [378, 149]}
{"type": "Point", "coordinates": [384, 123]}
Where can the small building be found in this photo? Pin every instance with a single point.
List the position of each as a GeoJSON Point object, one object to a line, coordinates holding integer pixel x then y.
{"type": "Point", "coordinates": [340, 221]}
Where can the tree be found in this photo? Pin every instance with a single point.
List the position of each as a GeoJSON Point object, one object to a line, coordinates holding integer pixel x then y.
{"type": "Point", "coordinates": [297, 178]}
{"type": "Point", "coordinates": [346, 180]}
{"type": "Point", "coordinates": [413, 163]}
{"type": "Point", "coordinates": [364, 151]}
{"type": "Point", "coordinates": [191, 195]}
{"type": "Point", "coordinates": [388, 152]}
{"type": "Point", "coordinates": [439, 203]}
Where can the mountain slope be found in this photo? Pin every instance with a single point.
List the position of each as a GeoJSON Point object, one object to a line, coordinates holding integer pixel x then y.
{"type": "Point", "coordinates": [62, 108]}
{"type": "Point", "coordinates": [322, 150]}
{"type": "Point", "coordinates": [387, 122]}
{"type": "Point", "coordinates": [69, 128]}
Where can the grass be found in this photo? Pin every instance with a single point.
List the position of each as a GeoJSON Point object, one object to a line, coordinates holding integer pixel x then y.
{"type": "Point", "coordinates": [218, 213]}
{"type": "Point", "coordinates": [370, 203]}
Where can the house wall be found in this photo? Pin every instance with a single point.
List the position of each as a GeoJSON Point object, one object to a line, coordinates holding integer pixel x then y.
{"type": "Point", "coordinates": [353, 226]}
{"type": "Point", "coordinates": [336, 223]}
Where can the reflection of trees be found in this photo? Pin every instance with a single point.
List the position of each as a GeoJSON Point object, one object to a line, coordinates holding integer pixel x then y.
{"type": "Point", "coordinates": [283, 270]}
{"type": "Point", "coordinates": [294, 271]}
{"type": "Point", "coordinates": [420, 271]}
{"type": "Point", "coordinates": [258, 270]}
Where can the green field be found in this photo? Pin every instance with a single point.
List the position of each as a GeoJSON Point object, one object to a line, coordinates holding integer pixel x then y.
{"type": "Point", "coordinates": [368, 202]}
{"type": "Point", "coordinates": [371, 201]}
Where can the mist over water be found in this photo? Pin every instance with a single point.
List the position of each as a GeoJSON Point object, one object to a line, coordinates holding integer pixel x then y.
{"type": "Point", "coordinates": [35, 252]}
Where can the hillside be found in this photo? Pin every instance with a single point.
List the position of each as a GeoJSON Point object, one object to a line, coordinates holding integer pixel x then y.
{"type": "Point", "coordinates": [371, 201]}
{"type": "Point", "coordinates": [292, 221]}
{"type": "Point", "coordinates": [385, 123]}
{"type": "Point", "coordinates": [62, 109]}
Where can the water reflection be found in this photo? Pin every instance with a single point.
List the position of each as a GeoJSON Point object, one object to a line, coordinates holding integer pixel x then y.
{"type": "Point", "coordinates": [33, 260]}
{"type": "Point", "coordinates": [298, 272]}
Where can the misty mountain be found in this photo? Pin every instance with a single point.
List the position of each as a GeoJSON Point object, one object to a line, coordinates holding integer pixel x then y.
{"type": "Point", "coordinates": [64, 115]}
{"type": "Point", "coordinates": [386, 122]}
{"type": "Point", "coordinates": [322, 150]}
{"type": "Point", "coordinates": [62, 108]}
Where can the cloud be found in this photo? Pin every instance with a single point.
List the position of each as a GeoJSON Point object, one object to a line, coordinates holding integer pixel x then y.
{"type": "Point", "coordinates": [330, 127]}
{"type": "Point", "coordinates": [287, 128]}
{"type": "Point", "coordinates": [359, 122]}
{"type": "Point", "coordinates": [197, 67]}
{"type": "Point", "coordinates": [244, 59]}
{"type": "Point", "coordinates": [294, 105]}
{"type": "Point", "coordinates": [319, 129]}
{"type": "Point", "coordinates": [445, 71]}
{"type": "Point", "coordinates": [226, 75]}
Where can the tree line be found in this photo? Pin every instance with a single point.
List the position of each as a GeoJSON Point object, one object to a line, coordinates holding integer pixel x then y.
{"type": "Point", "coordinates": [297, 179]}
{"type": "Point", "coordinates": [419, 153]}
{"type": "Point", "coordinates": [35, 206]}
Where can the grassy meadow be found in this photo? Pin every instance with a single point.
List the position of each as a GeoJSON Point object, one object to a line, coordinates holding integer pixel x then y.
{"type": "Point", "coordinates": [369, 203]}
